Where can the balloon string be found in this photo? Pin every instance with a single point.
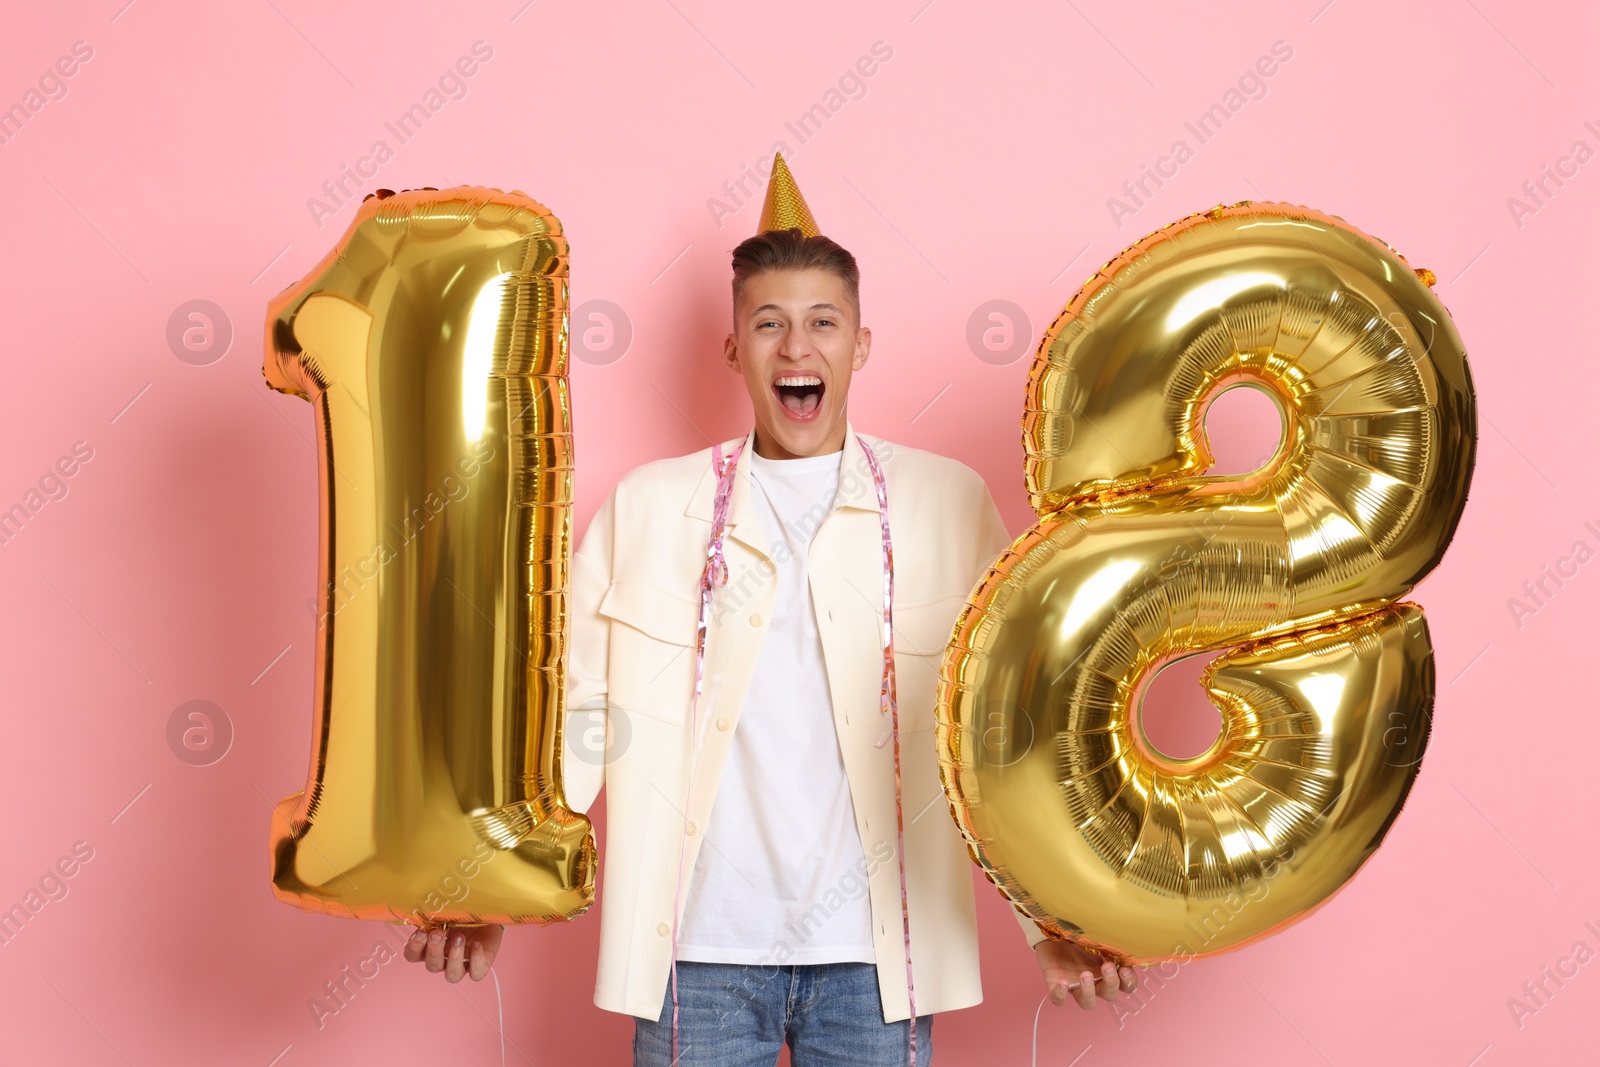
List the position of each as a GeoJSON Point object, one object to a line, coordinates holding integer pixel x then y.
{"type": "Point", "coordinates": [1036, 1011]}
{"type": "Point", "coordinates": [713, 576]}
{"type": "Point", "coordinates": [890, 704]}
{"type": "Point", "coordinates": [500, 1009]}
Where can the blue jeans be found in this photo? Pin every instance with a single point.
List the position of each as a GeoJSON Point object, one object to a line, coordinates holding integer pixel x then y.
{"type": "Point", "coordinates": [733, 1015]}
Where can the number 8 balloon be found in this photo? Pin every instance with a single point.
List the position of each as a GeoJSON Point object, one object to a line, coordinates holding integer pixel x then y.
{"type": "Point", "coordinates": [432, 343]}
{"type": "Point", "coordinates": [1138, 558]}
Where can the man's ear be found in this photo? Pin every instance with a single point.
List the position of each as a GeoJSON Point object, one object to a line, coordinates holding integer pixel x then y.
{"type": "Point", "coordinates": [730, 353]}
{"type": "Point", "coordinates": [863, 348]}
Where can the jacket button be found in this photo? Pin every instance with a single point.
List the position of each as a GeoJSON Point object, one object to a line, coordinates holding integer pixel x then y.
{"type": "Point", "coordinates": [663, 929]}
{"type": "Point", "coordinates": [755, 619]}
{"type": "Point", "coordinates": [723, 723]}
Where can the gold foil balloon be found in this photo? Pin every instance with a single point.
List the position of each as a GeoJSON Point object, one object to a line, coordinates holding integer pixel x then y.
{"type": "Point", "coordinates": [432, 343]}
{"type": "Point", "coordinates": [1138, 559]}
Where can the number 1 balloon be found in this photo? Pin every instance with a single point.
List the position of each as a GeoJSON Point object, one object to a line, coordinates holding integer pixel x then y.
{"type": "Point", "coordinates": [1138, 558]}
{"type": "Point", "coordinates": [432, 345]}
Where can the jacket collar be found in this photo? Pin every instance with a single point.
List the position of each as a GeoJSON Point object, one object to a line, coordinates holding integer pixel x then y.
{"type": "Point", "coordinates": [856, 489]}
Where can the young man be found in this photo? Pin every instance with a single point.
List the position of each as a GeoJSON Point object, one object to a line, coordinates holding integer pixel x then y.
{"type": "Point", "coordinates": [753, 834]}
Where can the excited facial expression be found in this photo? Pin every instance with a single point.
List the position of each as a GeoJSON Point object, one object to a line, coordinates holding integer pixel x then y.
{"type": "Point", "coordinates": [796, 342]}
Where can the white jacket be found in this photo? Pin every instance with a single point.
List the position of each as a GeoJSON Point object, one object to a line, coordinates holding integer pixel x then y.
{"type": "Point", "coordinates": [633, 610]}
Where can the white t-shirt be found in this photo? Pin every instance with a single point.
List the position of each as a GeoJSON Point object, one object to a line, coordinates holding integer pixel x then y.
{"type": "Point", "coordinates": [781, 874]}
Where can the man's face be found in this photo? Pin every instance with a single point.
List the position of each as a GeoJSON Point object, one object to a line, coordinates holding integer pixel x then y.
{"type": "Point", "coordinates": [796, 342]}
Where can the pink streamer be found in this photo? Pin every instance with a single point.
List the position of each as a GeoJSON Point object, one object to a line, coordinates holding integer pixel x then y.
{"type": "Point", "coordinates": [889, 702]}
{"type": "Point", "coordinates": [715, 576]}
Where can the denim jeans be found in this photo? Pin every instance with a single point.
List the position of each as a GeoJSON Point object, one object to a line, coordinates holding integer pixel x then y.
{"type": "Point", "coordinates": [733, 1015]}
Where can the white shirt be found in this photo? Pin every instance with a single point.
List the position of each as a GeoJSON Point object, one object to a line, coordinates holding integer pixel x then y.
{"type": "Point", "coordinates": [783, 875]}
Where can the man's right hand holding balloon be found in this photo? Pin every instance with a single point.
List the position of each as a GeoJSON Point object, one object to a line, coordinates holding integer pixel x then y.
{"type": "Point", "coordinates": [456, 950]}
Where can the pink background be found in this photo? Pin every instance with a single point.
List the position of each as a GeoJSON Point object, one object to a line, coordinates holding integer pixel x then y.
{"type": "Point", "coordinates": [977, 167]}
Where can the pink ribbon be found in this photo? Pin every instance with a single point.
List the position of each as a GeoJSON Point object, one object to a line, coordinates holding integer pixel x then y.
{"type": "Point", "coordinates": [714, 577]}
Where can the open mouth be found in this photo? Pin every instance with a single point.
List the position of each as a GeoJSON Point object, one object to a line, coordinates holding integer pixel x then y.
{"type": "Point", "coordinates": [800, 395]}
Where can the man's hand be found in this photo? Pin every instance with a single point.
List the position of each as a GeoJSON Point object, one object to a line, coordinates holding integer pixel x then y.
{"type": "Point", "coordinates": [1064, 964]}
{"type": "Point", "coordinates": [457, 950]}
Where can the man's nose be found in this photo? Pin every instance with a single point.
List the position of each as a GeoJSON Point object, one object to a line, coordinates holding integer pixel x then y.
{"type": "Point", "coordinates": [796, 343]}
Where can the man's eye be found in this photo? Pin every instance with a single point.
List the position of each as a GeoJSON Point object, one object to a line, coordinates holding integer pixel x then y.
{"type": "Point", "coordinates": [824, 322]}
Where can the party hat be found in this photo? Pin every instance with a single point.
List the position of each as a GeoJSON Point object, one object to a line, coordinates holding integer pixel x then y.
{"type": "Point", "coordinates": [785, 208]}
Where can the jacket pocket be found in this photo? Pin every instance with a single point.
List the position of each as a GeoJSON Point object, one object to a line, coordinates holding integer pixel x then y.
{"type": "Point", "coordinates": [921, 632]}
{"type": "Point", "coordinates": [651, 656]}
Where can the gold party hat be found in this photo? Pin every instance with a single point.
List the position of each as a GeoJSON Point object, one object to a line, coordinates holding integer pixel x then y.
{"type": "Point", "coordinates": [785, 208]}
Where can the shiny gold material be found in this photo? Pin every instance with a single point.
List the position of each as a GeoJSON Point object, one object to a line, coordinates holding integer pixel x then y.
{"type": "Point", "coordinates": [1138, 559]}
{"type": "Point", "coordinates": [432, 343]}
{"type": "Point", "coordinates": [784, 207]}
